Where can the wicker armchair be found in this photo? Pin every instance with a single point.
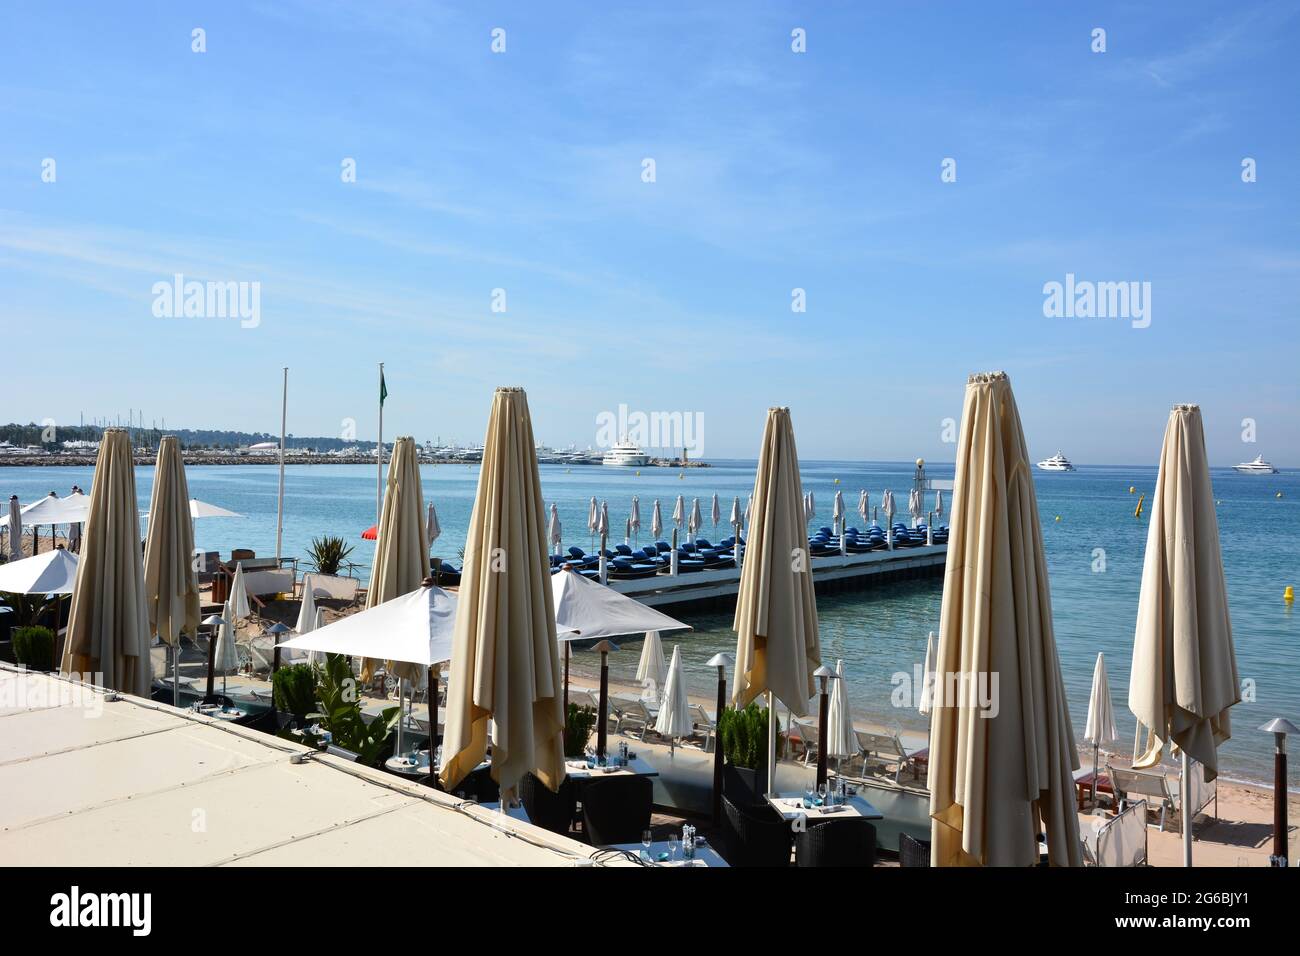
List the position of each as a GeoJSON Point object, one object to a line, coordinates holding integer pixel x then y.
{"type": "Point", "coordinates": [850, 842]}
{"type": "Point", "coordinates": [616, 810]}
{"type": "Point", "coordinates": [913, 852]}
{"type": "Point", "coordinates": [550, 810]}
{"type": "Point", "coordinates": [755, 836]}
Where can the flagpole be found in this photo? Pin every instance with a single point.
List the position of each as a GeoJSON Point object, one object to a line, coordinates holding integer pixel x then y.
{"type": "Point", "coordinates": [379, 452]}
{"type": "Point", "coordinates": [279, 505]}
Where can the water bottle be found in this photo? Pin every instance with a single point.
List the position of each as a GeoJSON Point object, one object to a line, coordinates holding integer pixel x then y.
{"type": "Point", "coordinates": [688, 842]}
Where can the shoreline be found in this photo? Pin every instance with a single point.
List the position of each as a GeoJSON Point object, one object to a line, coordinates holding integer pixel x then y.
{"type": "Point", "coordinates": [88, 461]}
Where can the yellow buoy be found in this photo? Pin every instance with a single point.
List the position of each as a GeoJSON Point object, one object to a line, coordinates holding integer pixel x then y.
{"type": "Point", "coordinates": [837, 481]}
{"type": "Point", "coordinates": [1131, 489]}
{"type": "Point", "coordinates": [1279, 494]}
{"type": "Point", "coordinates": [1289, 594]}
{"type": "Point", "coordinates": [638, 474]}
{"type": "Point", "coordinates": [1058, 517]}
{"type": "Point", "coordinates": [1137, 513]}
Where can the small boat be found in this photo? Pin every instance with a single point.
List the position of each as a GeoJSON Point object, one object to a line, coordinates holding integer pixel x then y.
{"type": "Point", "coordinates": [1057, 462]}
{"type": "Point", "coordinates": [1257, 467]}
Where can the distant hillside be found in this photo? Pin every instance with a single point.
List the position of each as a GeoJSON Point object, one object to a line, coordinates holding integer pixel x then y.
{"type": "Point", "coordinates": [213, 438]}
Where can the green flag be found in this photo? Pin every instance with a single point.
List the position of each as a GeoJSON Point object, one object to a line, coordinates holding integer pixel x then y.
{"type": "Point", "coordinates": [383, 389]}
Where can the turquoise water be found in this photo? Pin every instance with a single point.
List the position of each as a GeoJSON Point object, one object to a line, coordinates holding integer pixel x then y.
{"type": "Point", "coordinates": [879, 632]}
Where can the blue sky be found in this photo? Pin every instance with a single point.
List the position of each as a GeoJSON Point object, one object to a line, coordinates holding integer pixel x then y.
{"type": "Point", "coordinates": [775, 170]}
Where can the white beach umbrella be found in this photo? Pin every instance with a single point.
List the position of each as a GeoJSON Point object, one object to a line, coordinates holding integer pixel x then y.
{"type": "Point", "coordinates": [925, 704]}
{"type": "Point", "coordinates": [414, 628]}
{"type": "Point", "coordinates": [505, 667]}
{"type": "Point", "coordinates": [554, 531]}
{"type": "Point", "coordinates": [843, 739]}
{"type": "Point", "coordinates": [716, 514]}
{"type": "Point", "coordinates": [432, 529]}
{"type": "Point", "coordinates": [674, 719]}
{"type": "Point", "coordinates": [307, 610]}
{"type": "Point", "coordinates": [914, 505]}
{"type": "Point", "coordinates": [777, 644]}
{"type": "Point", "coordinates": [837, 512]}
{"type": "Point", "coordinates": [52, 510]}
{"type": "Point", "coordinates": [737, 518]}
{"type": "Point", "coordinates": [696, 520]}
{"type": "Point", "coordinates": [602, 522]}
{"type": "Point", "coordinates": [634, 516]}
{"type": "Point", "coordinates": [14, 521]}
{"type": "Point", "coordinates": [999, 778]}
{"type": "Point", "coordinates": [810, 504]}
{"type": "Point", "coordinates": [201, 509]}
{"type": "Point", "coordinates": [887, 505]}
{"type": "Point", "coordinates": [938, 503]}
{"type": "Point", "coordinates": [593, 519]}
{"type": "Point", "coordinates": [239, 595]}
{"type": "Point", "coordinates": [679, 513]}
{"type": "Point", "coordinates": [749, 510]}
{"type": "Point", "coordinates": [656, 521]}
{"type": "Point", "coordinates": [651, 669]}
{"type": "Point", "coordinates": [1184, 678]}
{"type": "Point", "coordinates": [401, 560]}
{"type": "Point", "coordinates": [108, 626]}
{"type": "Point", "coordinates": [1100, 728]}
{"type": "Point", "coordinates": [864, 505]}
{"type": "Point", "coordinates": [587, 610]}
{"type": "Point", "coordinates": [50, 572]}
{"type": "Point", "coordinates": [226, 657]}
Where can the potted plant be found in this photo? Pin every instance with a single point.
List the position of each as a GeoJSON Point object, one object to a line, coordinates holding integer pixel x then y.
{"type": "Point", "coordinates": [338, 694]}
{"type": "Point", "coordinates": [578, 730]}
{"type": "Point", "coordinates": [743, 734]}
{"type": "Point", "coordinates": [294, 691]}
{"type": "Point", "coordinates": [34, 647]}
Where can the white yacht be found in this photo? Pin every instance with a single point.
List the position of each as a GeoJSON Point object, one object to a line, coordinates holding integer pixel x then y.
{"type": "Point", "coordinates": [1257, 467]}
{"type": "Point", "coordinates": [1057, 462]}
{"type": "Point", "coordinates": [626, 454]}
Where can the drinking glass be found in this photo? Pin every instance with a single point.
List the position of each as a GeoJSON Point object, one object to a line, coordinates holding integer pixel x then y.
{"type": "Point", "coordinates": [647, 838]}
{"type": "Point", "coordinates": [821, 792]}
{"type": "Point", "coordinates": [673, 843]}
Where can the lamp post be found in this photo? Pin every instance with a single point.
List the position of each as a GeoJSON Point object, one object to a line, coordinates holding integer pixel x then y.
{"type": "Point", "coordinates": [1279, 727]}
{"type": "Point", "coordinates": [601, 723]}
{"type": "Point", "coordinates": [214, 622]}
{"type": "Point", "coordinates": [721, 662]}
{"type": "Point", "coordinates": [825, 675]}
{"type": "Point", "coordinates": [276, 631]}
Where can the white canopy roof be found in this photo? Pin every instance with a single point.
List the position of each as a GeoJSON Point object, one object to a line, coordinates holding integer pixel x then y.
{"type": "Point", "coordinates": [415, 628]}
{"type": "Point", "coordinates": [53, 510]}
{"type": "Point", "coordinates": [52, 572]}
{"type": "Point", "coordinates": [201, 509]}
{"type": "Point", "coordinates": [588, 610]}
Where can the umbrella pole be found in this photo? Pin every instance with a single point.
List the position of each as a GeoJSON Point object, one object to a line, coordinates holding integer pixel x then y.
{"type": "Point", "coordinates": [771, 742]}
{"type": "Point", "coordinates": [176, 674]}
{"type": "Point", "coordinates": [566, 684]}
{"type": "Point", "coordinates": [822, 722]}
{"type": "Point", "coordinates": [1095, 747]}
{"type": "Point", "coordinates": [401, 712]}
{"type": "Point", "coordinates": [1185, 785]}
{"type": "Point", "coordinates": [601, 728]}
{"type": "Point", "coordinates": [717, 747]}
{"type": "Point", "coordinates": [212, 667]}
{"type": "Point", "coordinates": [433, 725]}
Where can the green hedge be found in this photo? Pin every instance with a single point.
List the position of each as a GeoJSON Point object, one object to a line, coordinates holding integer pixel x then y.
{"type": "Point", "coordinates": [34, 646]}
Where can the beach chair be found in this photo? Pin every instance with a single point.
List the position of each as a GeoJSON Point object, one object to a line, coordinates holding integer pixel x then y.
{"type": "Point", "coordinates": [631, 711]}
{"type": "Point", "coordinates": [883, 751]}
{"type": "Point", "coordinates": [704, 726]}
{"type": "Point", "coordinates": [808, 739]}
{"type": "Point", "coordinates": [1145, 783]}
{"type": "Point", "coordinates": [1122, 840]}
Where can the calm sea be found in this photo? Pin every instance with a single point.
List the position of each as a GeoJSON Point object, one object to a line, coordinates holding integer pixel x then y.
{"type": "Point", "coordinates": [877, 633]}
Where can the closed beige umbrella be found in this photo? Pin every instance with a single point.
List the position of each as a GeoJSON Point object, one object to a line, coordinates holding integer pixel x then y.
{"type": "Point", "coordinates": [402, 548]}
{"type": "Point", "coordinates": [1184, 675]}
{"type": "Point", "coordinates": [777, 645]}
{"type": "Point", "coordinates": [171, 591]}
{"type": "Point", "coordinates": [108, 625]}
{"type": "Point", "coordinates": [505, 664]}
{"type": "Point", "coordinates": [1002, 751]}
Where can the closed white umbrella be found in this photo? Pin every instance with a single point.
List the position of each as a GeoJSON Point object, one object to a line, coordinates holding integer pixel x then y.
{"type": "Point", "coordinates": [837, 512]}
{"type": "Point", "coordinates": [432, 529]}
{"type": "Point", "coordinates": [674, 719]}
{"type": "Point", "coordinates": [716, 514]}
{"type": "Point", "coordinates": [656, 521]}
{"type": "Point", "coordinates": [679, 513]}
{"type": "Point", "coordinates": [777, 644]}
{"type": "Point", "coordinates": [810, 505]}
{"type": "Point", "coordinates": [402, 548]}
{"type": "Point", "coordinates": [696, 521]}
{"type": "Point", "coordinates": [307, 610]}
{"type": "Point", "coordinates": [505, 667]}
{"type": "Point", "coordinates": [593, 519]}
{"type": "Point", "coordinates": [171, 588]}
{"type": "Point", "coordinates": [749, 510]}
{"type": "Point", "coordinates": [239, 595]}
{"type": "Point", "coordinates": [14, 521]}
{"type": "Point", "coordinates": [938, 503]}
{"type": "Point", "coordinates": [914, 505]}
{"type": "Point", "coordinates": [108, 626]}
{"type": "Point", "coordinates": [887, 505]}
{"type": "Point", "coordinates": [602, 522]}
{"type": "Point", "coordinates": [1002, 753]}
{"type": "Point", "coordinates": [926, 703]}
{"type": "Point", "coordinates": [1100, 728]}
{"type": "Point", "coordinates": [843, 739]}
{"type": "Point", "coordinates": [50, 572]}
{"type": "Point", "coordinates": [634, 517]}
{"type": "Point", "coordinates": [226, 658]}
{"type": "Point", "coordinates": [1184, 677]}
{"type": "Point", "coordinates": [737, 517]}
{"type": "Point", "coordinates": [554, 531]}
{"type": "Point", "coordinates": [864, 506]}
{"type": "Point", "coordinates": [651, 670]}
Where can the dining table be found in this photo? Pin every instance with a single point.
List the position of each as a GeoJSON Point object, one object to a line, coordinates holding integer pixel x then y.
{"type": "Point", "coordinates": [792, 806]}
{"type": "Point", "coordinates": [659, 854]}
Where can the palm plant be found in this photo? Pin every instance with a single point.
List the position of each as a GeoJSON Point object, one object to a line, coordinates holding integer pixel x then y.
{"type": "Point", "coordinates": [328, 553]}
